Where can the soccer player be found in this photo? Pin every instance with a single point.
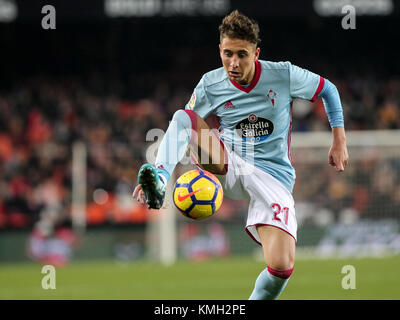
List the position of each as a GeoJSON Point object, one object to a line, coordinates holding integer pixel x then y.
{"type": "Point", "coordinates": [250, 153]}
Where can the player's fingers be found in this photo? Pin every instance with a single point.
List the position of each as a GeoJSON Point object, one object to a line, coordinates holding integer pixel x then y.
{"type": "Point", "coordinates": [345, 160]}
{"type": "Point", "coordinates": [337, 163]}
{"type": "Point", "coordinates": [340, 164]}
{"type": "Point", "coordinates": [141, 198]}
{"type": "Point", "coordinates": [338, 158]}
{"type": "Point", "coordinates": [331, 161]}
{"type": "Point", "coordinates": [135, 192]}
{"type": "Point", "coordinates": [340, 167]}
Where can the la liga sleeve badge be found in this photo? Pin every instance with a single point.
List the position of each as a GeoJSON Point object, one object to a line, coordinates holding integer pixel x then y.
{"type": "Point", "coordinates": [192, 101]}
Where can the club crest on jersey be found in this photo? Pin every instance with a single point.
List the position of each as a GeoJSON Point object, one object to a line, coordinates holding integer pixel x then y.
{"type": "Point", "coordinates": [192, 101]}
{"type": "Point", "coordinates": [253, 118]}
{"type": "Point", "coordinates": [254, 128]}
{"type": "Point", "coordinates": [272, 96]}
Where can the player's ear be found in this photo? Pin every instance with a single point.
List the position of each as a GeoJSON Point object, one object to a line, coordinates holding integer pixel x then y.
{"type": "Point", "coordinates": [257, 53]}
{"type": "Point", "coordinates": [220, 51]}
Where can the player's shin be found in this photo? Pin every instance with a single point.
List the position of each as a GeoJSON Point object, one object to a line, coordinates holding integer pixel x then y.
{"type": "Point", "coordinates": [270, 284]}
{"type": "Point", "coordinates": [174, 144]}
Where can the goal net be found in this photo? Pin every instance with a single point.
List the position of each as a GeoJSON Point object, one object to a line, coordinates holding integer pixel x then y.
{"type": "Point", "coordinates": [351, 213]}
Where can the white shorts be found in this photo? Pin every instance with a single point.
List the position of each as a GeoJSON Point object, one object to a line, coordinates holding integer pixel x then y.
{"type": "Point", "coordinates": [270, 202]}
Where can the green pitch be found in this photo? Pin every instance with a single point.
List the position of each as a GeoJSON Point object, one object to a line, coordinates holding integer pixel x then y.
{"type": "Point", "coordinates": [230, 278]}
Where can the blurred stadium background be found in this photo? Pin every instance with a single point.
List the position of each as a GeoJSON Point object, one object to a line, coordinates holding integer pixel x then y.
{"type": "Point", "coordinates": [77, 102]}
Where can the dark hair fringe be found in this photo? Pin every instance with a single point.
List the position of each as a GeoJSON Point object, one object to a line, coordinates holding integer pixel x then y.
{"type": "Point", "coordinates": [238, 26]}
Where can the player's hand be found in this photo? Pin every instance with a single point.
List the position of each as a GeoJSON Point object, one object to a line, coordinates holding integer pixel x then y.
{"type": "Point", "coordinates": [138, 194]}
{"type": "Point", "coordinates": [338, 154]}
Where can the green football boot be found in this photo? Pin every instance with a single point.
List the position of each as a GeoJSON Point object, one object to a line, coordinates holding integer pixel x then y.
{"type": "Point", "coordinates": [152, 185]}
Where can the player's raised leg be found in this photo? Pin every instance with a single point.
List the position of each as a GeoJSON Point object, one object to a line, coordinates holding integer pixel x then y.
{"type": "Point", "coordinates": [206, 147]}
{"type": "Point", "coordinates": [186, 128]}
{"type": "Point", "coordinates": [279, 253]}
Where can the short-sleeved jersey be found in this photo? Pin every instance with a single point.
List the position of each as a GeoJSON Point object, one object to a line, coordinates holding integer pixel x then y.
{"type": "Point", "coordinates": [256, 120]}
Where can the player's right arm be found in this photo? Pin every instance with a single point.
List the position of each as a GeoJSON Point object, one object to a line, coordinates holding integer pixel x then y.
{"type": "Point", "coordinates": [199, 101]}
{"type": "Point", "coordinates": [206, 142]}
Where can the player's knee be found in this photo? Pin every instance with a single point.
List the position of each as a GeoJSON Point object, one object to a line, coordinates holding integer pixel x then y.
{"type": "Point", "coordinates": [183, 117]}
{"type": "Point", "coordinates": [280, 273]}
{"type": "Point", "coordinates": [281, 263]}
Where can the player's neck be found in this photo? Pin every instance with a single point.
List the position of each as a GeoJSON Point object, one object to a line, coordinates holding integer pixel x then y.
{"type": "Point", "coordinates": [249, 80]}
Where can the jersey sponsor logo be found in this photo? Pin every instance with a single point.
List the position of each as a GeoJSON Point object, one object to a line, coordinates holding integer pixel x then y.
{"type": "Point", "coordinates": [272, 96]}
{"type": "Point", "coordinates": [254, 128]}
{"type": "Point", "coordinates": [192, 101]}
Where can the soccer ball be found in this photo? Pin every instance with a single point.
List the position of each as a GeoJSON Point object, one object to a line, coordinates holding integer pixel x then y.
{"type": "Point", "coordinates": [198, 194]}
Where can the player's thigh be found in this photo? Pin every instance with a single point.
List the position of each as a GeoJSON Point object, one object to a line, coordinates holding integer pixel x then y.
{"type": "Point", "coordinates": [279, 247]}
{"type": "Point", "coordinates": [207, 148]}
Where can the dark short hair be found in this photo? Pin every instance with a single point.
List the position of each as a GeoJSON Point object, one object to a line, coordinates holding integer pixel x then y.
{"type": "Point", "coordinates": [238, 26]}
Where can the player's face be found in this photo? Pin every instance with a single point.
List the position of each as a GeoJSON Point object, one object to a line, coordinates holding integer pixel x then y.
{"type": "Point", "coordinates": [238, 58]}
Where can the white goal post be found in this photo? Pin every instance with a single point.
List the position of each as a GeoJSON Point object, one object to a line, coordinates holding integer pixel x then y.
{"type": "Point", "coordinates": [365, 138]}
{"type": "Point", "coordinates": [79, 185]}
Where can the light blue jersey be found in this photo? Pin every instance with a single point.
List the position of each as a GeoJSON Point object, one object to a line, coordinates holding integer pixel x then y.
{"type": "Point", "coordinates": [256, 120]}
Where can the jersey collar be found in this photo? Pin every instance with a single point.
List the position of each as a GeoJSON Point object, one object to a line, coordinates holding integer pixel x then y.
{"type": "Point", "coordinates": [253, 82]}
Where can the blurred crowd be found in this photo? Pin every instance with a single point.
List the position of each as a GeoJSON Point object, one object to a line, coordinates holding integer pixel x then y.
{"type": "Point", "coordinates": [368, 104]}
{"type": "Point", "coordinates": [369, 188]}
{"type": "Point", "coordinates": [42, 118]}
{"type": "Point", "coordinates": [40, 122]}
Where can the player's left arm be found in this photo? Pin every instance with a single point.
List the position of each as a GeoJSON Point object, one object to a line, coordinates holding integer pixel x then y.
{"type": "Point", "coordinates": [307, 85]}
{"type": "Point", "coordinates": [338, 155]}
